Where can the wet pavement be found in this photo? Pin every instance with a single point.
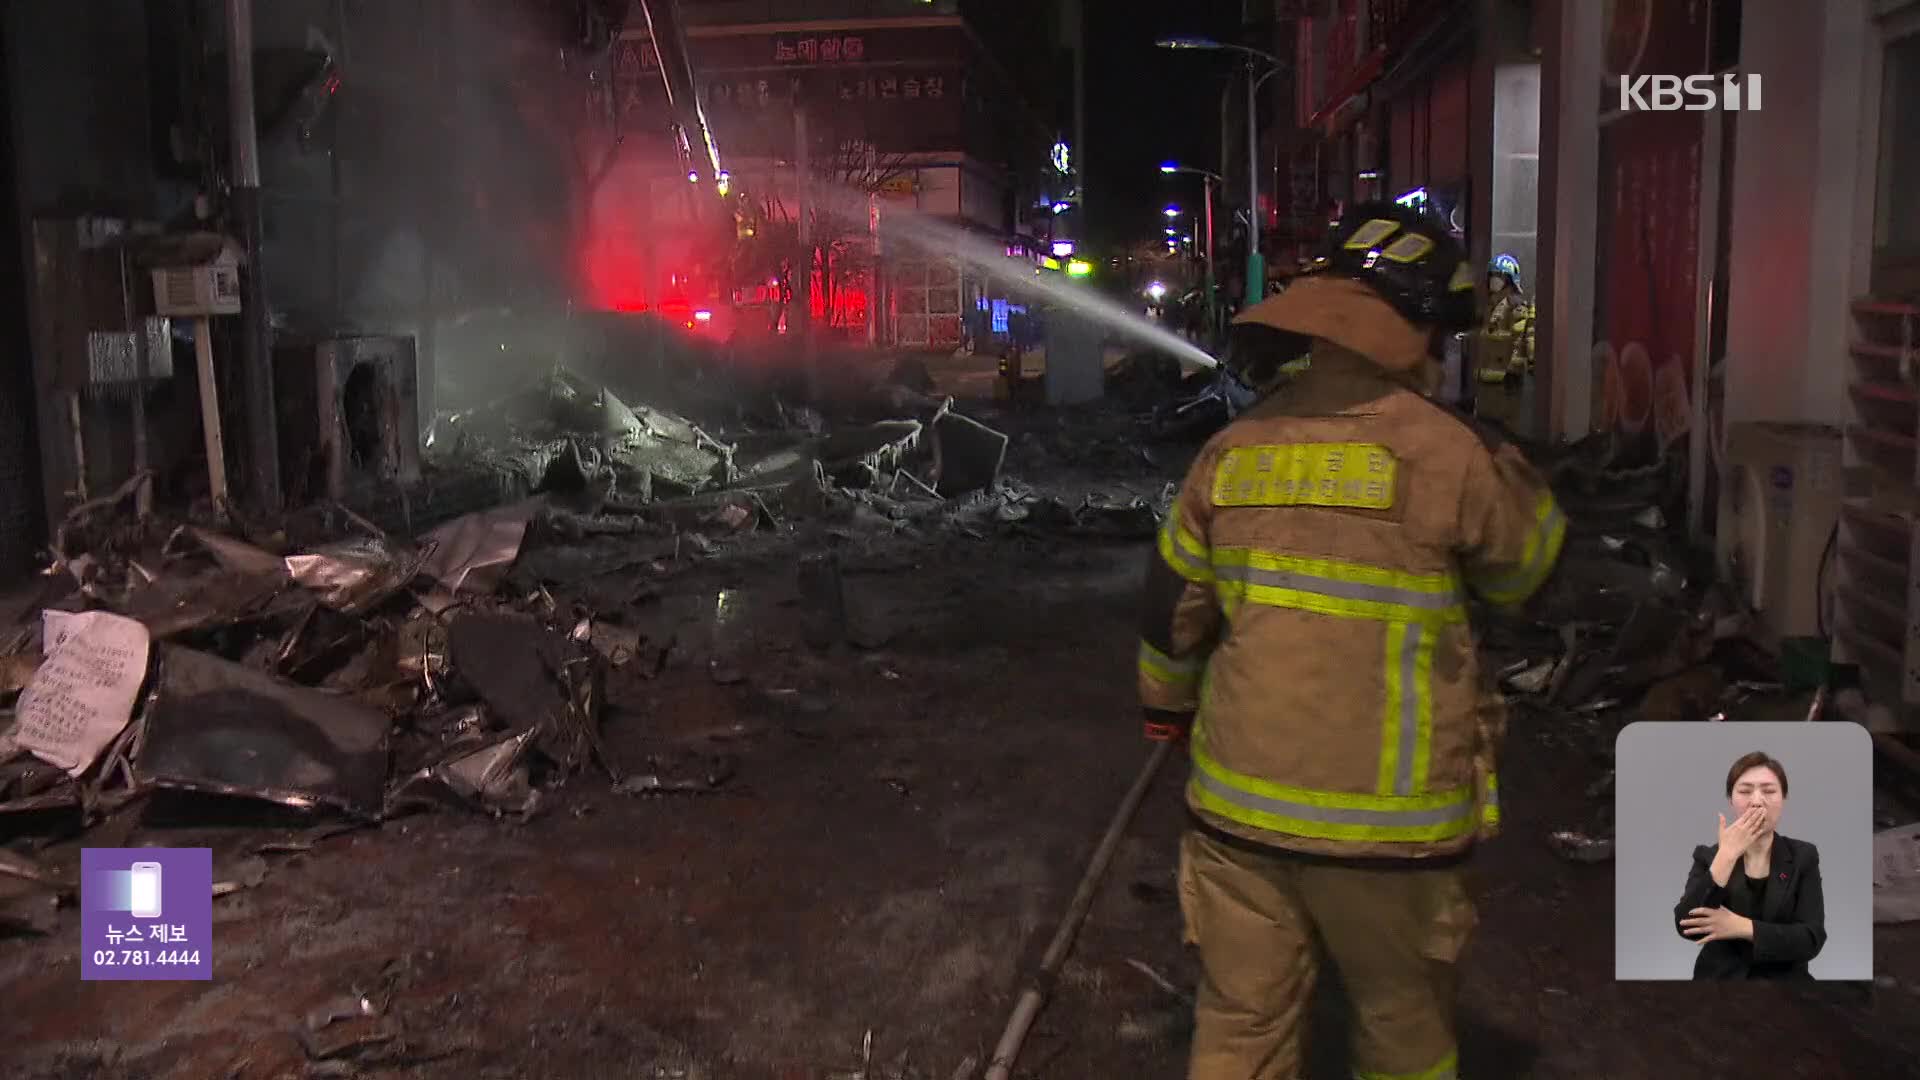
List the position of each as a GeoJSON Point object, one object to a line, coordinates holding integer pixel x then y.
{"type": "Point", "coordinates": [860, 855]}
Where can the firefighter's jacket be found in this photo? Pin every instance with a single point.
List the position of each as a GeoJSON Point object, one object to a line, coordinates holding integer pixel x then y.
{"type": "Point", "coordinates": [1506, 341]}
{"type": "Point", "coordinates": [1309, 601]}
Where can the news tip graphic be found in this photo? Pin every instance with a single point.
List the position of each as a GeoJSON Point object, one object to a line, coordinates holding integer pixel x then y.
{"type": "Point", "coordinates": [146, 913]}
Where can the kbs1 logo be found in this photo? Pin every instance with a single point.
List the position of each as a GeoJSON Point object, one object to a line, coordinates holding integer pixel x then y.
{"type": "Point", "coordinates": [1694, 93]}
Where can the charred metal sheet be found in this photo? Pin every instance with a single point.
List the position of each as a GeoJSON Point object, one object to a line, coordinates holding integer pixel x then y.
{"type": "Point", "coordinates": [532, 678]}
{"type": "Point", "coordinates": [238, 555]}
{"type": "Point", "coordinates": [475, 551]}
{"type": "Point", "coordinates": [491, 776]}
{"type": "Point", "coordinates": [864, 457]}
{"type": "Point", "coordinates": [968, 454]}
{"type": "Point", "coordinates": [176, 604]}
{"type": "Point", "coordinates": [221, 728]}
{"type": "Point", "coordinates": [27, 783]}
{"type": "Point", "coordinates": [355, 576]}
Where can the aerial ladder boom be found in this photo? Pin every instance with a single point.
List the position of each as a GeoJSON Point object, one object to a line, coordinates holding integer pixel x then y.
{"type": "Point", "coordinates": [697, 148]}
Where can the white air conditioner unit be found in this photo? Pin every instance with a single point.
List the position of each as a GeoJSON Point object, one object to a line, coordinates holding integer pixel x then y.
{"type": "Point", "coordinates": [1780, 494]}
{"type": "Point", "coordinates": [200, 289]}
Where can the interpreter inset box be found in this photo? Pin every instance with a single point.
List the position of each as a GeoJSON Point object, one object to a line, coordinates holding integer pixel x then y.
{"type": "Point", "coordinates": [1743, 851]}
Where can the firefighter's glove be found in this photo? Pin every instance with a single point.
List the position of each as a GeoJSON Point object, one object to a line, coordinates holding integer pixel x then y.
{"type": "Point", "coordinates": [1164, 726]}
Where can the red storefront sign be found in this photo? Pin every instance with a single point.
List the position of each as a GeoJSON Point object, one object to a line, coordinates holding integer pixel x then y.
{"type": "Point", "coordinates": [1649, 231]}
{"type": "Point", "coordinates": [901, 87]}
{"type": "Point", "coordinates": [820, 49]}
{"type": "Point", "coordinates": [760, 51]}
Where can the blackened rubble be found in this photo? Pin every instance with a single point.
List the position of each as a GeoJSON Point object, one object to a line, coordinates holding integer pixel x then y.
{"type": "Point", "coordinates": [323, 663]}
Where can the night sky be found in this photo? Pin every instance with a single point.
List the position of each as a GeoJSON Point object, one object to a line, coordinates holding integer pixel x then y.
{"type": "Point", "coordinates": [1146, 105]}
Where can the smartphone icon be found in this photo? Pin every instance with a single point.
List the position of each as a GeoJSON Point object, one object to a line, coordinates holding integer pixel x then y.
{"type": "Point", "coordinates": [146, 890]}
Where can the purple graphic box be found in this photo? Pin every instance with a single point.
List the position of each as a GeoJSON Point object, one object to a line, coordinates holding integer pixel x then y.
{"type": "Point", "coordinates": [146, 913]}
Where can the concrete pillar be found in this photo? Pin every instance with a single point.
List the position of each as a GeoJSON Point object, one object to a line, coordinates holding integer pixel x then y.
{"type": "Point", "coordinates": [1076, 371]}
{"type": "Point", "coordinates": [1569, 205]}
{"type": "Point", "coordinates": [1504, 103]}
{"type": "Point", "coordinates": [1798, 243]}
{"type": "Point", "coordinates": [1514, 228]}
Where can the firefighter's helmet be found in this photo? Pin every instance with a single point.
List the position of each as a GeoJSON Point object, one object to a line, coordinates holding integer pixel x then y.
{"type": "Point", "coordinates": [1508, 267]}
{"type": "Point", "coordinates": [1407, 257]}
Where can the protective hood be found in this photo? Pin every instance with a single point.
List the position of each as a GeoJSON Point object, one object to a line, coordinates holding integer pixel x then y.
{"type": "Point", "coordinates": [1348, 314]}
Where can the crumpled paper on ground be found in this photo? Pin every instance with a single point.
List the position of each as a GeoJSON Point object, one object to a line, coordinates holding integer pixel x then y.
{"type": "Point", "coordinates": [81, 699]}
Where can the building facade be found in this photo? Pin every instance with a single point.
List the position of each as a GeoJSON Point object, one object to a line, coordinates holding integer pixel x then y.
{"type": "Point", "coordinates": [1729, 288]}
{"type": "Point", "coordinates": [885, 108]}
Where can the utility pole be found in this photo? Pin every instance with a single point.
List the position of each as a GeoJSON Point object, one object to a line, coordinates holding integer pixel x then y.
{"type": "Point", "coordinates": [800, 311]}
{"type": "Point", "coordinates": [256, 341]}
{"type": "Point", "coordinates": [878, 299]}
{"type": "Point", "coordinates": [1077, 12]}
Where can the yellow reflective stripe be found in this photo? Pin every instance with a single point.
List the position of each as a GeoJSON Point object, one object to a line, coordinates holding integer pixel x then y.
{"type": "Point", "coordinates": [1372, 234]}
{"type": "Point", "coordinates": [1396, 691]}
{"type": "Point", "coordinates": [1183, 551]}
{"type": "Point", "coordinates": [1165, 669]}
{"type": "Point", "coordinates": [1326, 815]}
{"type": "Point", "coordinates": [1408, 249]}
{"type": "Point", "coordinates": [1423, 641]}
{"type": "Point", "coordinates": [1406, 730]}
{"type": "Point", "coordinates": [1328, 587]}
{"type": "Point", "coordinates": [1447, 1069]}
{"type": "Point", "coordinates": [1490, 799]}
{"type": "Point", "coordinates": [1544, 542]}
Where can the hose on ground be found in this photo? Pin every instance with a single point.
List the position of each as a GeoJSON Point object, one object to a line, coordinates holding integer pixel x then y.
{"type": "Point", "coordinates": [1035, 995]}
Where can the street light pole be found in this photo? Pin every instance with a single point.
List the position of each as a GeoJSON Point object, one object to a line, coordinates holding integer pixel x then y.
{"type": "Point", "coordinates": [1256, 266]}
{"type": "Point", "coordinates": [1213, 313]}
{"type": "Point", "coordinates": [1208, 180]}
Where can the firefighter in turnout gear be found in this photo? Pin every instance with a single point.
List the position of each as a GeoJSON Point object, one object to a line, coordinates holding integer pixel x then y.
{"type": "Point", "coordinates": [1306, 632]}
{"type": "Point", "coordinates": [1505, 345]}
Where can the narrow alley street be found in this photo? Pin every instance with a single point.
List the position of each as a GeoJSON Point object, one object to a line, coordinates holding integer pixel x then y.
{"type": "Point", "coordinates": [648, 540]}
{"type": "Point", "coordinates": [876, 845]}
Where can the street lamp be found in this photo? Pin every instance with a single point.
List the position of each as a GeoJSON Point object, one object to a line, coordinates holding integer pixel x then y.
{"type": "Point", "coordinates": [1207, 180]}
{"type": "Point", "coordinates": [1256, 265]}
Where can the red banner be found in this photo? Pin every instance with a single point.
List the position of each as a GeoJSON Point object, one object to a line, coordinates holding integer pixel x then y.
{"type": "Point", "coordinates": [1649, 230]}
{"type": "Point", "coordinates": [1649, 249]}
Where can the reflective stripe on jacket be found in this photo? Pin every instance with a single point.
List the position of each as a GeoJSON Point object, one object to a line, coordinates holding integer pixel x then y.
{"type": "Point", "coordinates": [1309, 598]}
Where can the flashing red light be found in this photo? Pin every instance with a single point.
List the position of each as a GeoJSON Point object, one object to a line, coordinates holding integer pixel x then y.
{"type": "Point", "coordinates": [703, 316]}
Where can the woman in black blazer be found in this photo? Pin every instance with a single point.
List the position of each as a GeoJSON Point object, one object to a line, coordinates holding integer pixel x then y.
{"type": "Point", "coordinates": [1753, 901]}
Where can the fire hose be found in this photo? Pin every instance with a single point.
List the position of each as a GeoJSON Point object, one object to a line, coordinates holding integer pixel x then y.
{"type": "Point", "coordinates": [1035, 995]}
